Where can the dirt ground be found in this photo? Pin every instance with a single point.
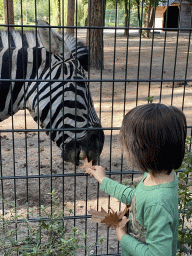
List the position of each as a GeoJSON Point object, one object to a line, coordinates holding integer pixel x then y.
{"type": "Point", "coordinates": [22, 155]}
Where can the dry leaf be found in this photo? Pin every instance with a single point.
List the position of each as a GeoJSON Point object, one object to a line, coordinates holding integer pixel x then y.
{"type": "Point", "coordinates": [111, 219]}
{"type": "Point", "coordinates": [86, 165]}
{"type": "Point", "coordinates": [98, 216]}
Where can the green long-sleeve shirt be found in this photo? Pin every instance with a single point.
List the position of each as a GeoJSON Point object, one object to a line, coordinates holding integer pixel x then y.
{"type": "Point", "coordinates": [153, 228]}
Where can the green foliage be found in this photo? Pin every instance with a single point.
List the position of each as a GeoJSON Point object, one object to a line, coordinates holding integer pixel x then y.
{"type": "Point", "coordinates": [185, 201]}
{"type": "Point", "coordinates": [101, 240]}
{"type": "Point", "coordinates": [111, 14]}
{"type": "Point", "coordinates": [50, 237]}
{"type": "Point", "coordinates": [25, 10]}
{"type": "Point", "coordinates": [150, 99]}
{"type": "Point", "coordinates": [1, 9]}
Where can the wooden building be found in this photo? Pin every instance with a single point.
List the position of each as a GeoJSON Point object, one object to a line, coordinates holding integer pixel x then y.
{"type": "Point", "coordinates": [174, 14]}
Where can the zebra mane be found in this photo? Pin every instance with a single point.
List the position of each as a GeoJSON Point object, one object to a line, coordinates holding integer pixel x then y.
{"type": "Point", "coordinates": [30, 39]}
{"type": "Point", "coordinates": [77, 49]}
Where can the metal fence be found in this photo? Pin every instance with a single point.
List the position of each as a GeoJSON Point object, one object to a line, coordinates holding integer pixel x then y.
{"type": "Point", "coordinates": [136, 70]}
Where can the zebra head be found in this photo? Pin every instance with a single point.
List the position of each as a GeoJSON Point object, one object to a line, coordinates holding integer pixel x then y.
{"type": "Point", "coordinates": [80, 133]}
{"type": "Point", "coordinates": [48, 79]}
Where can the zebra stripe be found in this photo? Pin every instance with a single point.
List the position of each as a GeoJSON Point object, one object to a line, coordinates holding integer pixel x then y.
{"type": "Point", "coordinates": [18, 39]}
{"type": "Point", "coordinates": [56, 103]}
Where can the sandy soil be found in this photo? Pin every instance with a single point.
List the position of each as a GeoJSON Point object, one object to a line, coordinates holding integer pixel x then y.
{"type": "Point", "coordinates": [33, 154]}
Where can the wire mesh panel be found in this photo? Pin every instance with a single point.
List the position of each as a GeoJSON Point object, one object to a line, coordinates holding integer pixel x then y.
{"type": "Point", "coordinates": [61, 102]}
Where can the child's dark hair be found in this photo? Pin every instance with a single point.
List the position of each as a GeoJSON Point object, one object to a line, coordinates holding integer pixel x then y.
{"type": "Point", "coordinates": [154, 134]}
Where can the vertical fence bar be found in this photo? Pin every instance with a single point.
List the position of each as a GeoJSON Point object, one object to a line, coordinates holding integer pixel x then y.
{"type": "Point", "coordinates": [63, 110]}
{"type": "Point", "coordinates": [151, 60]}
{"type": "Point", "coordinates": [175, 63]}
{"type": "Point", "coordinates": [139, 54]}
{"type": "Point", "coordinates": [75, 145]}
{"type": "Point", "coordinates": [50, 98]}
{"type": "Point", "coordinates": [112, 107]}
{"type": "Point", "coordinates": [164, 47]}
{"type": "Point", "coordinates": [186, 68]}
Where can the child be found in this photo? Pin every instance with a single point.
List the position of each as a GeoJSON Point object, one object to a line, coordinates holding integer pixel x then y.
{"type": "Point", "coordinates": [153, 137]}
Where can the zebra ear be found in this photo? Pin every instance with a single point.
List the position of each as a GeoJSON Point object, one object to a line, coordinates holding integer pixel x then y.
{"type": "Point", "coordinates": [50, 39]}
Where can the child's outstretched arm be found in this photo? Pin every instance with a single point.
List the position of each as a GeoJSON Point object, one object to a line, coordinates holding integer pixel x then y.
{"type": "Point", "coordinates": [111, 187]}
{"type": "Point", "coordinates": [98, 172]}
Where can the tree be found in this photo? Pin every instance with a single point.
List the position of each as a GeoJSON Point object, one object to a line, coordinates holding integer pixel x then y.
{"type": "Point", "coordinates": [70, 16]}
{"type": "Point", "coordinates": [96, 14]}
{"type": "Point", "coordinates": [146, 7]}
{"type": "Point", "coordinates": [127, 5]}
{"type": "Point", "coordinates": [9, 13]}
{"type": "Point", "coordinates": [59, 12]}
{"type": "Point", "coordinates": [126, 16]}
{"type": "Point", "coordinates": [138, 4]}
{"type": "Point", "coordinates": [149, 15]}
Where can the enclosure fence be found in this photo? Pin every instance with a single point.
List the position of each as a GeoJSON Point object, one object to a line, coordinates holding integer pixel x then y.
{"type": "Point", "coordinates": [129, 64]}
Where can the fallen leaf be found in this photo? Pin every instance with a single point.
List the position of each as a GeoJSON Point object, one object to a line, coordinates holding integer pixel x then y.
{"type": "Point", "coordinates": [111, 219]}
{"type": "Point", "coordinates": [98, 216]}
{"type": "Point", "coordinates": [86, 165]}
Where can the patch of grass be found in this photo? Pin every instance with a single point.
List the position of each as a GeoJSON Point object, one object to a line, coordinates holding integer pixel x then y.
{"type": "Point", "coordinates": [49, 237]}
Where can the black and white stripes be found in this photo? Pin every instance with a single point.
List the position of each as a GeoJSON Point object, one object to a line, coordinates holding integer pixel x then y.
{"type": "Point", "coordinates": [46, 76]}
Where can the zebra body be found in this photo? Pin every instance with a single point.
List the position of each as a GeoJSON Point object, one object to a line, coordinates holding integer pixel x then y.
{"type": "Point", "coordinates": [55, 91]}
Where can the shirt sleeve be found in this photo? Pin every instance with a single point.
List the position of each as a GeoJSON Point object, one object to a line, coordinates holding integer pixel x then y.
{"type": "Point", "coordinates": [159, 235]}
{"type": "Point", "coordinates": [119, 191]}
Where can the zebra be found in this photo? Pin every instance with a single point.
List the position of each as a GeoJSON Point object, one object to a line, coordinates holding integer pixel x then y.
{"type": "Point", "coordinates": [46, 75]}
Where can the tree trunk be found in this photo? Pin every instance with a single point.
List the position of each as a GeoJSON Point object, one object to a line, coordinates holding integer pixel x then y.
{"type": "Point", "coordinates": [70, 16]}
{"type": "Point", "coordinates": [152, 17]}
{"type": "Point", "coordinates": [95, 36]}
{"type": "Point", "coordinates": [148, 18]}
{"type": "Point", "coordinates": [145, 33]}
{"type": "Point", "coordinates": [9, 13]}
{"type": "Point", "coordinates": [138, 12]}
{"type": "Point", "coordinates": [126, 17]}
{"type": "Point", "coordinates": [59, 13]}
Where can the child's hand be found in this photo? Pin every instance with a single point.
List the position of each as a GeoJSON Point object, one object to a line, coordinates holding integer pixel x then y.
{"type": "Point", "coordinates": [121, 231]}
{"type": "Point", "coordinates": [98, 172]}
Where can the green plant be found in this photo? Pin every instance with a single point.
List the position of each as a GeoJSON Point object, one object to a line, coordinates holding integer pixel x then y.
{"type": "Point", "coordinates": [49, 237]}
{"type": "Point", "coordinates": [185, 201]}
{"type": "Point", "coordinates": [150, 99]}
{"type": "Point", "coordinates": [101, 240]}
